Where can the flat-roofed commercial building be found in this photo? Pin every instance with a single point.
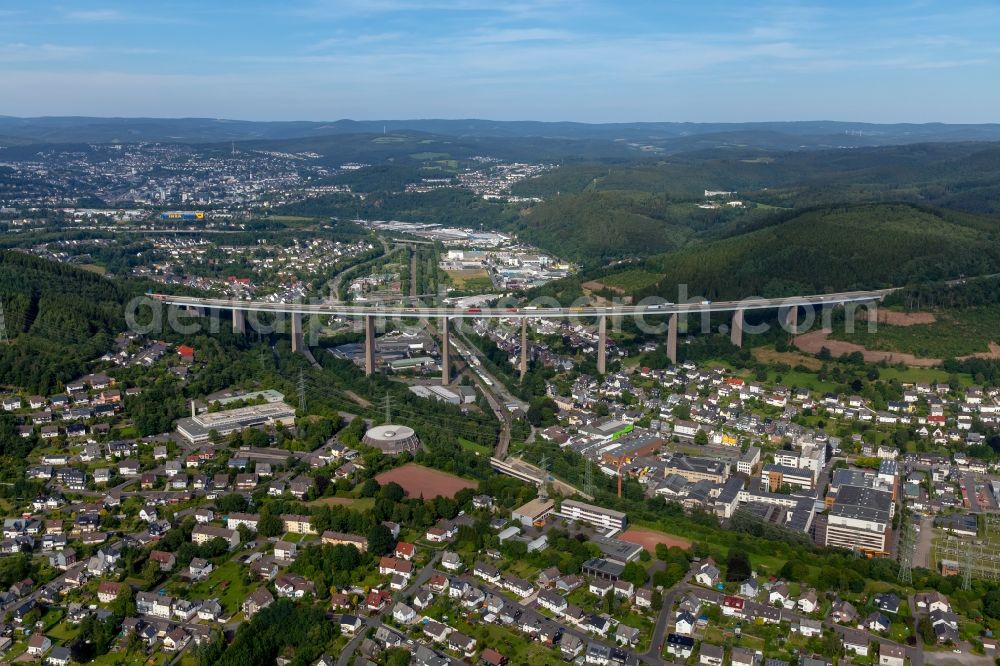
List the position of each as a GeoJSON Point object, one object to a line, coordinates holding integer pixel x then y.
{"type": "Point", "coordinates": [696, 469]}
{"type": "Point", "coordinates": [776, 476]}
{"type": "Point", "coordinates": [860, 519]}
{"type": "Point", "coordinates": [197, 428]}
{"type": "Point", "coordinates": [534, 512]}
{"type": "Point", "coordinates": [603, 569]}
{"type": "Point", "coordinates": [597, 516]}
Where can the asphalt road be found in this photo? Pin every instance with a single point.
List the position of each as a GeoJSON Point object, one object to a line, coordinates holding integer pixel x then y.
{"type": "Point", "coordinates": [375, 621]}
{"type": "Point", "coordinates": [337, 309]}
{"type": "Point", "coordinates": [655, 651]}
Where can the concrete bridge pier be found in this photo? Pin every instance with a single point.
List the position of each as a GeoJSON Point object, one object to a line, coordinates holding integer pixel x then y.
{"type": "Point", "coordinates": [445, 353]}
{"type": "Point", "coordinates": [524, 347]}
{"type": "Point", "coordinates": [239, 322]}
{"type": "Point", "coordinates": [297, 338]}
{"type": "Point", "coordinates": [792, 319]}
{"type": "Point", "coordinates": [672, 338]}
{"type": "Point", "coordinates": [369, 345]}
{"type": "Point", "coordinates": [736, 332]}
{"type": "Point", "coordinates": [602, 345]}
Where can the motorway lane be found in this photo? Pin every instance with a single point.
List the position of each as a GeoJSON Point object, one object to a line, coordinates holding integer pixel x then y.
{"type": "Point", "coordinates": [526, 312]}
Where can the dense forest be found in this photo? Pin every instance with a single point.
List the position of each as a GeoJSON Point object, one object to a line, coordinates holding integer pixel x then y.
{"type": "Point", "coordinates": [56, 318]}
{"type": "Point", "coordinates": [611, 209]}
{"type": "Point", "coordinates": [833, 248]}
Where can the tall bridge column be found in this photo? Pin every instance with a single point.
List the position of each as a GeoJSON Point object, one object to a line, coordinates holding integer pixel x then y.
{"type": "Point", "coordinates": [672, 338]}
{"type": "Point", "coordinates": [445, 353]}
{"type": "Point", "coordinates": [239, 322]}
{"type": "Point", "coordinates": [736, 333]}
{"type": "Point", "coordinates": [297, 338]}
{"type": "Point", "coordinates": [602, 344]}
{"type": "Point", "coordinates": [792, 319]}
{"type": "Point", "coordinates": [524, 347]}
{"type": "Point", "coordinates": [369, 345]}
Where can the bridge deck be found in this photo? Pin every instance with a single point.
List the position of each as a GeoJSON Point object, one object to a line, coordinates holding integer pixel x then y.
{"type": "Point", "coordinates": [337, 309]}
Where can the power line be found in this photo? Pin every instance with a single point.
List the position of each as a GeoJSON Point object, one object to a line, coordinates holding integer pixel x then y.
{"type": "Point", "coordinates": [905, 552]}
{"type": "Point", "coordinates": [302, 392]}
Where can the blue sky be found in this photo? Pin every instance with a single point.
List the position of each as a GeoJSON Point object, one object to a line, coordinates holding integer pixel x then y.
{"type": "Point", "coordinates": [713, 60]}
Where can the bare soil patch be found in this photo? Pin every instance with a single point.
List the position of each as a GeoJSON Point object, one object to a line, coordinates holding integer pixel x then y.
{"type": "Point", "coordinates": [596, 285]}
{"type": "Point", "coordinates": [993, 353]}
{"type": "Point", "coordinates": [647, 538]}
{"type": "Point", "coordinates": [896, 318]}
{"type": "Point", "coordinates": [814, 341]}
{"type": "Point", "coordinates": [420, 481]}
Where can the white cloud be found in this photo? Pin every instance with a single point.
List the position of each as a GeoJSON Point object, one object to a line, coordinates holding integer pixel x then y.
{"type": "Point", "coordinates": [20, 52]}
{"type": "Point", "coordinates": [94, 15]}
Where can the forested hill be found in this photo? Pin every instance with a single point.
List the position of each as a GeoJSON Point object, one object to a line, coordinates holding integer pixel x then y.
{"type": "Point", "coordinates": [669, 135]}
{"type": "Point", "coordinates": [56, 318]}
{"type": "Point", "coordinates": [834, 248]}
{"type": "Point", "coordinates": [595, 212]}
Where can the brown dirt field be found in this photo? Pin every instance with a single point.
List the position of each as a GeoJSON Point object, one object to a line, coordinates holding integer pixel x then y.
{"type": "Point", "coordinates": [420, 481]}
{"type": "Point", "coordinates": [648, 539]}
{"type": "Point", "coordinates": [595, 285]}
{"type": "Point", "coordinates": [895, 318]}
{"type": "Point", "coordinates": [993, 353]}
{"type": "Point", "coordinates": [767, 355]}
{"type": "Point", "coordinates": [813, 341]}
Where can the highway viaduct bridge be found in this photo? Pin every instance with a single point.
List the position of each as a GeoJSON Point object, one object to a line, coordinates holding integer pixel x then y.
{"type": "Point", "coordinates": [787, 308]}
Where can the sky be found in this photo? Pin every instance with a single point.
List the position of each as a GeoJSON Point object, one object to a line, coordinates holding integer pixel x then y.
{"type": "Point", "coordinates": [578, 60]}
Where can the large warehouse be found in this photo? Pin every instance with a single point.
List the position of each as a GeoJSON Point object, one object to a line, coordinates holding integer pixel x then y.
{"type": "Point", "coordinates": [197, 428]}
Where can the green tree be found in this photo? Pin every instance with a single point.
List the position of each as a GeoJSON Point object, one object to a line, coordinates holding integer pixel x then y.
{"type": "Point", "coordinates": [380, 540]}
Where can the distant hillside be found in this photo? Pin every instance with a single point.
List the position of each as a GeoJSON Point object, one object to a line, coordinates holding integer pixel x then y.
{"type": "Point", "coordinates": [666, 137]}
{"type": "Point", "coordinates": [595, 211]}
{"type": "Point", "coordinates": [835, 248]}
{"type": "Point", "coordinates": [593, 227]}
{"type": "Point", "coordinates": [56, 319]}
{"type": "Point", "coordinates": [924, 172]}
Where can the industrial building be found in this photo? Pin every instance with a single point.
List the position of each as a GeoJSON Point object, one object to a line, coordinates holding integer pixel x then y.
{"type": "Point", "coordinates": [597, 516]}
{"type": "Point", "coordinates": [696, 469]}
{"type": "Point", "coordinates": [196, 428]}
{"type": "Point", "coordinates": [776, 476]}
{"type": "Point", "coordinates": [534, 512]}
{"type": "Point", "coordinates": [860, 519]}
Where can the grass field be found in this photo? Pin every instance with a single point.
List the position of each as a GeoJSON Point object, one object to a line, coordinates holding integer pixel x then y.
{"type": "Point", "coordinates": [357, 504]}
{"type": "Point", "coordinates": [470, 279]}
{"type": "Point", "coordinates": [631, 281]}
{"type": "Point", "coordinates": [226, 584]}
{"type": "Point", "coordinates": [426, 155]}
{"type": "Point", "coordinates": [291, 218]}
{"type": "Point", "coordinates": [809, 380]}
{"type": "Point", "coordinates": [792, 358]}
{"type": "Point", "coordinates": [474, 447]}
{"type": "Point", "coordinates": [954, 333]}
